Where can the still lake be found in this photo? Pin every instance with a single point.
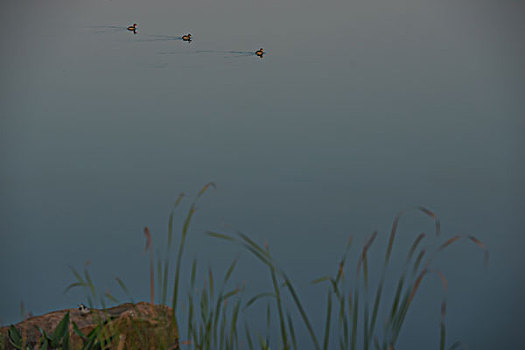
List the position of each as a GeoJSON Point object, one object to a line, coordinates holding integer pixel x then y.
{"type": "Point", "coordinates": [358, 110]}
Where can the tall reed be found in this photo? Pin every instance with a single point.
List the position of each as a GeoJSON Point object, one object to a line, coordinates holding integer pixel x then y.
{"type": "Point", "coordinates": [215, 313]}
{"type": "Point", "coordinates": [353, 308]}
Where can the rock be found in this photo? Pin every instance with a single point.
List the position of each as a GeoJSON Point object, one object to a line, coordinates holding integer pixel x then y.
{"type": "Point", "coordinates": [143, 324]}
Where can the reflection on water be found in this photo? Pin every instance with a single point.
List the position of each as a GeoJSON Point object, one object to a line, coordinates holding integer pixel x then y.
{"type": "Point", "coordinates": [107, 27]}
{"type": "Point", "coordinates": [224, 53]}
{"type": "Point", "coordinates": [156, 37]}
{"type": "Point", "coordinates": [112, 28]}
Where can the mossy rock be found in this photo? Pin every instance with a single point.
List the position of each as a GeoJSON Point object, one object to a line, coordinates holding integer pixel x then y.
{"type": "Point", "coordinates": [126, 326]}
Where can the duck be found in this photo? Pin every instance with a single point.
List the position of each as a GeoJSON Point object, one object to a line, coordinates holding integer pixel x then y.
{"type": "Point", "coordinates": [260, 52]}
{"type": "Point", "coordinates": [133, 27]}
{"type": "Point", "coordinates": [186, 37]}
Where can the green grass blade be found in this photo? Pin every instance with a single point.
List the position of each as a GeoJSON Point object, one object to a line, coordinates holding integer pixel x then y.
{"type": "Point", "coordinates": [170, 230]}
{"type": "Point", "coordinates": [185, 228]}
{"type": "Point", "coordinates": [193, 273]}
{"type": "Point", "coordinates": [15, 338]}
{"type": "Point", "coordinates": [292, 331]}
{"type": "Point", "coordinates": [210, 277]}
{"type": "Point", "coordinates": [190, 316]}
{"type": "Point", "coordinates": [164, 282]}
{"type": "Point", "coordinates": [204, 306]}
{"type": "Point", "coordinates": [257, 297]}
{"type": "Point", "coordinates": [77, 275]}
{"type": "Point", "coordinates": [268, 323]}
{"type": "Point", "coordinates": [62, 327]}
{"type": "Point", "coordinates": [263, 343]}
{"type": "Point", "coordinates": [355, 319]}
{"type": "Point", "coordinates": [73, 285]}
{"type": "Point", "coordinates": [248, 337]}
{"type": "Point", "coordinates": [205, 188]}
{"type": "Point", "coordinates": [78, 331]}
{"type": "Point", "coordinates": [376, 344]}
{"type": "Point", "coordinates": [231, 293]}
{"type": "Point", "coordinates": [90, 284]}
{"type": "Point", "coordinates": [279, 309]}
{"type": "Point", "coordinates": [230, 270]}
{"type": "Point", "coordinates": [124, 289]}
{"type": "Point", "coordinates": [301, 311]}
{"type": "Point", "coordinates": [254, 245]}
{"type": "Point", "coordinates": [223, 330]}
{"type": "Point", "coordinates": [327, 323]}
{"type": "Point", "coordinates": [160, 280]}
{"type": "Point", "coordinates": [434, 217]}
{"type": "Point", "coordinates": [110, 297]}
{"type": "Point", "coordinates": [375, 310]}
{"type": "Point", "coordinates": [261, 257]}
{"type": "Point", "coordinates": [418, 262]}
{"type": "Point", "coordinates": [233, 327]}
{"type": "Point", "coordinates": [220, 236]}
{"type": "Point", "coordinates": [321, 279]}
{"type": "Point", "coordinates": [218, 307]}
{"type": "Point", "coordinates": [395, 303]}
{"type": "Point", "coordinates": [442, 336]}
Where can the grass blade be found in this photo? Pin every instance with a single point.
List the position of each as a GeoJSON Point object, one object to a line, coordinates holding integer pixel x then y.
{"type": "Point", "coordinates": [292, 331]}
{"type": "Point", "coordinates": [327, 323]}
{"type": "Point", "coordinates": [230, 271]}
{"type": "Point", "coordinates": [248, 337]}
{"type": "Point", "coordinates": [220, 236]}
{"type": "Point", "coordinates": [125, 289]}
{"type": "Point", "coordinates": [301, 311]}
{"type": "Point", "coordinates": [279, 309]}
{"type": "Point", "coordinates": [257, 297]}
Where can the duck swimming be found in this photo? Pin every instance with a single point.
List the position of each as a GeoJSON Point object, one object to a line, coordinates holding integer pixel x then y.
{"type": "Point", "coordinates": [260, 52]}
{"type": "Point", "coordinates": [186, 37]}
{"type": "Point", "coordinates": [133, 28]}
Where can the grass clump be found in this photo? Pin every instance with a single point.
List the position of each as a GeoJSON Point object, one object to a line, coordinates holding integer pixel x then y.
{"type": "Point", "coordinates": [352, 306]}
{"type": "Point", "coordinates": [214, 315]}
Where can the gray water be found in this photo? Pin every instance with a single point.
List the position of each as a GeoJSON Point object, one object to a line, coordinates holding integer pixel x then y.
{"type": "Point", "coordinates": [359, 109]}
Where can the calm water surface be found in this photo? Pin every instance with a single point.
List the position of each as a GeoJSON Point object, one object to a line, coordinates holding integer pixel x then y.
{"type": "Point", "coordinates": [358, 110]}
